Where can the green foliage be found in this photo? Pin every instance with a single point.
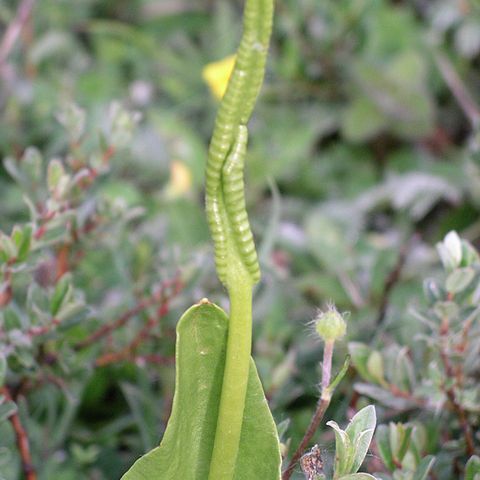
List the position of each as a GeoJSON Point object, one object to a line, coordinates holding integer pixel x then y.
{"type": "Point", "coordinates": [361, 159]}
{"type": "Point", "coordinates": [472, 469]}
{"type": "Point", "coordinates": [400, 447]}
{"type": "Point", "coordinates": [442, 376]}
{"type": "Point", "coordinates": [351, 445]}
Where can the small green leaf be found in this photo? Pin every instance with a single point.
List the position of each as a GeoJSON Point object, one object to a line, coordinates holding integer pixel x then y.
{"type": "Point", "coordinates": [375, 367]}
{"type": "Point", "coordinates": [343, 449]}
{"type": "Point", "coordinates": [362, 120]}
{"type": "Point", "coordinates": [55, 174]}
{"type": "Point", "coordinates": [472, 469]}
{"type": "Point", "coordinates": [404, 371]}
{"type": "Point", "coordinates": [382, 438]}
{"type": "Point", "coordinates": [469, 254]}
{"type": "Point", "coordinates": [59, 295]}
{"type": "Point", "coordinates": [459, 279]}
{"type": "Point", "coordinates": [360, 431]}
{"type": "Point", "coordinates": [7, 409]}
{"type": "Point", "coordinates": [406, 435]}
{"type": "Point", "coordinates": [360, 354]}
{"type": "Point", "coordinates": [7, 247]}
{"type": "Point", "coordinates": [25, 244]}
{"type": "Point", "coordinates": [423, 468]}
{"type": "Point", "coordinates": [186, 447]}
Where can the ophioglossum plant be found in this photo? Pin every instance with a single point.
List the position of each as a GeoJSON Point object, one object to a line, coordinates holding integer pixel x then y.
{"type": "Point", "coordinates": [221, 427]}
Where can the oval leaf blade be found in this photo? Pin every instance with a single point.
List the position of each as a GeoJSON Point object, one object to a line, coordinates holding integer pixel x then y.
{"type": "Point", "coordinates": [186, 447]}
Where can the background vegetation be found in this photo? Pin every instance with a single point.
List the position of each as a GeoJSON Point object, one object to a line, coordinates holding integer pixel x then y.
{"type": "Point", "coordinates": [364, 153]}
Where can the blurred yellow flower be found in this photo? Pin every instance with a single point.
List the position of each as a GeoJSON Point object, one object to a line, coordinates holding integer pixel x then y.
{"type": "Point", "coordinates": [217, 74]}
{"type": "Point", "coordinates": [180, 181]}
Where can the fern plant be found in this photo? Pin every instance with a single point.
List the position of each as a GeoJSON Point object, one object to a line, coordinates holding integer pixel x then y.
{"type": "Point", "coordinates": [221, 427]}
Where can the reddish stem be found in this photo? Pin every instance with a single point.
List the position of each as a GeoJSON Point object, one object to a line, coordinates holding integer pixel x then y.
{"type": "Point", "coordinates": [322, 406]}
{"type": "Point", "coordinates": [159, 297]}
{"type": "Point", "coordinates": [21, 436]}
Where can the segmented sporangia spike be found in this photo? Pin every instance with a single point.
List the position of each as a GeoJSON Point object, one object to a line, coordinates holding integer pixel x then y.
{"type": "Point", "coordinates": [234, 198]}
{"type": "Point", "coordinates": [225, 206]}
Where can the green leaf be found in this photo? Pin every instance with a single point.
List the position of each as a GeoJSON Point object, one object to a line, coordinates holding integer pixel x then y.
{"type": "Point", "coordinates": [362, 120]}
{"type": "Point", "coordinates": [405, 443]}
{"type": "Point", "coordinates": [375, 367]}
{"type": "Point", "coordinates": [7, 247]}
{"type": "Point", "coordinates": [405, 104]}
{"type": "Point", "coordinates": [423, 468]}
{"type": "Point", "coordinates": [186, 447]}
{"type": "Point", "coordinates": [25, 243]}
{"type": "Point", "coordinates": [459, 279]}
{"type": "Point", "coordinates": [59, 295]}
{"type": "Point", "coordinates": [469, 254]}
{"type": "Point", "coordinates": [55, 173]}
{"type": "Point", "coordinates": [327, 241]}
{"type": "Point", "coordinates": [7, 409]}
{"type": "Point", "coordinates": [343, 449]}
{"type": "Point", "coordinates": [382, 438]}
{"type": "Point", "coordinates": [472, 469]}
{"type": "Point", "coordinates": [360, 354]}
{"type": "Point", "coordinates": [360, 431]}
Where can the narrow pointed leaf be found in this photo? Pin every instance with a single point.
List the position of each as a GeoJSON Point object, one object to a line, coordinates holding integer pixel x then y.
{"type": "Point", "coordinates": [360, 449]}
{"type": "Point", "coordinates": [343, 450]}
{"type": "Point", "coordinates": [402, 451]}
{"type": "Point", "coordinates": [423, 468]}
{"type": "Point", "coordinates": [186, 447]}
{"type": "Point", "coordinates": [382, 438]}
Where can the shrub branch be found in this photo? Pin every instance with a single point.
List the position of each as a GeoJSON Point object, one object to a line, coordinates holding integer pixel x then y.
{"type": "Point", "coordinates": [21, 436]}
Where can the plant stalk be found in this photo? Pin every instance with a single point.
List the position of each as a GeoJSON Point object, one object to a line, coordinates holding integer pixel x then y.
{"type": "Point", "coordinates": [235, 381]}
{"type": "Point", "coordinates": [323, 403]}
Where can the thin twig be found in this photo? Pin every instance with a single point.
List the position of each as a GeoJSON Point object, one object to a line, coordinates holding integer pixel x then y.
{"type": "Point", "coordinates": [322, 407]}
{"type": "Point", "coordinates": [14, 30]}
{"type": "Point", "coordinates": [449, 391]}
{"type": "Point", "coordinates": [462, 418]}
{"type": "Point", "coordinates": [459, 89]}
{"type": "Point", "coordinates": [106, 329]}
{"type": "Point", "coordinates": [397, 392]}
{"type": "Point", "coordinates": [142, 305]}
{"type": "Point", "coordinates": [312, 428]}
{"type": "Point", "coordinates": [21, 436]}
{"type": "Point", "coordinates": [128, 352]}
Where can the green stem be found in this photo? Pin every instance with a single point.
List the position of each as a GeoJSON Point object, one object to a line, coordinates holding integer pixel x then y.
{"type": "Point", "coordinates": [235, 254]}
{"type": "Point", "coordinates": [235, 381]}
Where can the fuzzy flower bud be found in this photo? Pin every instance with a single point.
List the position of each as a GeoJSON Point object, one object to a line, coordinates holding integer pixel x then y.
{"type": "Point", "coordinates": [330, 325]}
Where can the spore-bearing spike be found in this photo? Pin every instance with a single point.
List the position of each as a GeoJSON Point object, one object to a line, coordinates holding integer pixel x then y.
{"type": "Point", "coordinates": [225, 200]}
